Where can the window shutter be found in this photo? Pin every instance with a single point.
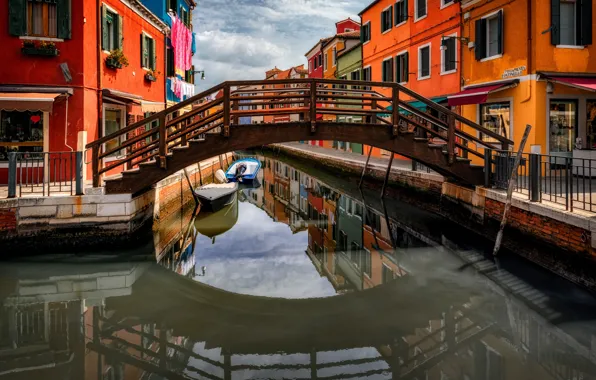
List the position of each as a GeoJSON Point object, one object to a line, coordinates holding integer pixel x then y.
{"type": "Point", "coordinates": [119, 32]}
{"type": "Point", "coordinates": [501, 33]}
{"type": "Point", "coordinates": [405, 8]}
{"type": "Point", "coordinates": [143, 47]}
{"type": "Point", "coordinates": [396, 14]}
{"type": "Point", "coordinates": [407, 65]}
{"type": "Point", "coordinates": [362, 34]}
{"type": "Point", "coordinates": [585, 13]}
{"type": "Point", "coordinates": [397, 69]}
{"type": "Point", "coordinates": [152, 55]}
{"type": "Point", "coordinates": [104, 28]}
{"type": "Point", "coordinates": [555, 22]}
{"type": "Point", "coordinates": [63, 16]}
{"type": "Point", "coordinates": [390, 17]}
{"type": "Point", "coordinates": [384, 74]}
{"type": "Point", "coordinates": [480, 43]}
{"type": "Point", "coordinates": [17, 14]}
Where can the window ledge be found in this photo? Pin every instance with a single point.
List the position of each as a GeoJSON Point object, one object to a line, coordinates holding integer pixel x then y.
{"type": "Point", "coordinates": [401, 23]}
{"type": "Point", "coordinates": [449, 72]}
{"type": "Point", "coordinates": [491, 58]}
{"type": "Point", "coordinates": [424, 78]}
{"type": "Point", "coordinates": [387, 31]}
{"type": "Point", "coordinates": [575, 47]}
{"type": "Point", "coordinates": [366, 42]}
{"type": "Point", "coordinates": [49, 39]}
{"type": "Point", "coordinates": [403, 83]}
{"type": "Point", "coordinates": [416, 19]}
{"type": "Point", "coordinates": [443, 6]}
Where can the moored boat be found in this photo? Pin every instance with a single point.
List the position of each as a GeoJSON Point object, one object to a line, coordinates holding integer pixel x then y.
{"type": "Point", "coordinates": [244, 171]}
{"type": "Point", "coordinates": [215, 196]}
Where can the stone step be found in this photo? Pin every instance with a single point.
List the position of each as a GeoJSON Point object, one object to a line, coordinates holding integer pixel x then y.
{"type": "Point", "coordinates": [148, 163]}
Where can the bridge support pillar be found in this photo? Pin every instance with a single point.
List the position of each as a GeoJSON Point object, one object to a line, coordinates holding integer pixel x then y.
{"type": "Point", "coordinates": [395, 110]}
{"type": "Point", "coordinates": [226, 111]}
{"type": "Point", "coordinates": [313, 106]}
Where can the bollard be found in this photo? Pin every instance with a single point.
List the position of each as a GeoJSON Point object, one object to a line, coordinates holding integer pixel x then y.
{"type": "Point", "coordinates": [534, 177]}
{"type": "Point", "coordinates": [12, 175]}
{"type": "Point", "coordinates": [79, 173]}
{"type": "Point", "coordinates": [487, 166]}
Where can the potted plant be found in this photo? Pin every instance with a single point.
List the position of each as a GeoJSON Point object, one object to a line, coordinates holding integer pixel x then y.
{"type": "Point", "coordinates": [152, 75]}
{"type": "Point", "coordinates": [44, 48]}
{"type": "Point", "coordinates": [116, 59]}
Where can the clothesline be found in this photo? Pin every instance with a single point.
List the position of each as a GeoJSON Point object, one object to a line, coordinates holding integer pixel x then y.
{"type": "Point", "coordinates": [182, 41]}
{"type": "Point", "coordinates": [181, 88]}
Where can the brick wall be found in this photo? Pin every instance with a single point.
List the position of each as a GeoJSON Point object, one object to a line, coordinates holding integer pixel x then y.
{"type": "Point", "coordinates": [560, 234]}
{"type": "Point", "coordinates": [8, 219]}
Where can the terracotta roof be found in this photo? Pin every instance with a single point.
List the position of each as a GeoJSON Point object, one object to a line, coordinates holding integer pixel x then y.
{"type": "Point", "coordinates": [346, 51]}
{"type": "Point", "coordinates": [322, 41]}
{"type": "Point", "coordinates": [355, 35]}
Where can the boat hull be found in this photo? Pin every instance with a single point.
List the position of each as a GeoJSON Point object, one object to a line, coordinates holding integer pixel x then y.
{"type": "Point", "coordinates": [250, 176]}
{"type": "Point", "coordinates": [214, 199]}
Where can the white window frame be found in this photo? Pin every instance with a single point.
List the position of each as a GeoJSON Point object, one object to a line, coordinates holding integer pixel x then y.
{"type": "Point", "coordinates": [111, 10]}
{"type": "Point", "coordinates": [325, 62]}
{"type": "Point", "coordinates": [487, 17]}
{"type": "Point", "coordinates": [416, 18]}
{"type": "Point", "coordinates": [363, 69]}
{"type": "Point", "coordinates": [334, 56]}
{"type": "Point", "coordinates": [445, 5]}
{"type": "Point", "coordinates": [145, 34]}
{"type": "Point", "coordinates": [575, 29]}
{"type": "Point", "coordinates": [444, 52]}
{"type": "Point", "coordinates": [429, 45]}
{"type": "Point", "coordinates": [391, 21]}
{"type": "Point", "coordinates": [348, 30]}
{"type": "Point", "coordinates": [403, 22]}
{"type": "Point", "coordinates": [310, 66]}
{"type": "Point", "coordinates": [363, 25]}
{"type": "Point", "coordinates": [403, 52]}
{"type": "Point", "coordinates": [122, 109]}
{"type": "Point", "coordinates": [392, 69]}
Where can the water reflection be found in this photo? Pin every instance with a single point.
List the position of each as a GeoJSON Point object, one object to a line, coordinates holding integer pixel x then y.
{"type": "Point", "coordinates": [307, 278]}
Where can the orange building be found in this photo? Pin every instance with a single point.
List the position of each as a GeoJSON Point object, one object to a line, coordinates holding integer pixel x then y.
{"type": "Point", "coordinates": [295, 72]}
{"type": "Point", "coordinates": [540, 74]}
{"type": "Point", "coordinates": [415, 43]}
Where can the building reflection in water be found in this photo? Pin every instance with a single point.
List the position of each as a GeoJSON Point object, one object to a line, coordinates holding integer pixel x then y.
{"type": "Point", "coordinates": [142, 321]}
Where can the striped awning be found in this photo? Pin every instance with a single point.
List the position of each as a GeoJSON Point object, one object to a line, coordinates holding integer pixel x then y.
{"type": "Point", "coordinates": [27, 101]}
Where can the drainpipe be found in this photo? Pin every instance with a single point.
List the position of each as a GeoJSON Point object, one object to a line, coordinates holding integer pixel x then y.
{"type": "Point", "coordinates": [99, 70]}
{"type": "Point", "coordinates": [529, 51]}
{"type": "Point", "coordinates": [66, 127]}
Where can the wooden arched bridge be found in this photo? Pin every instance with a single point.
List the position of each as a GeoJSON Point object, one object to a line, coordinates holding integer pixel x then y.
{"type": "Point", "coordinates": [374, 113]}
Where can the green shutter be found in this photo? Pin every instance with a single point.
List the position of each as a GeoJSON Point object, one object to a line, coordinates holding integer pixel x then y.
{"type": "Point", "coordinates": [501, 33]}
{"type": "Point", "coordinates": [397, 68]}
{"type": "Point", "coordinates": [119, 38]}
{"type": "Point", "coordinates": [143, 47]}
{"type": "Point", "coordinates": [383, 74]}
{"type": "Point", "coordinates": [405, 13]}
{"type": "Point", "coordinates": [586, 22]}
{"type": "Point", "coordinates": [480, 42]}
{"type": "Point", "coordinates": [555, 22]}
{"type": "Point", "coordinates": [152, 54]}
{"type": "Point", "coordinates": [407, 70]}
{"type": "Point", "coordinates": [17, 16]}
{"type": "Point", "coordinates": [63, 15]}
{"type": "Point", "coordinates": [105, 38]}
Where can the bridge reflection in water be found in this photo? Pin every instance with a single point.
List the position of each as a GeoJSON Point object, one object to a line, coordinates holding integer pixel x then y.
{"type": "Point", "coordinates": [403, 311]}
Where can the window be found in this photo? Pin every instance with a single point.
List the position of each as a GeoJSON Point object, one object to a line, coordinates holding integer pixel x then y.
{"type": "Point", "coordinates": [489, 36]}
{"type": "Point", "coordinates": [401, 68]}
{"type": "Point", "coordinates": [20, 126]}
{"type": "Point", "coordinates": [170, 70]}
{"type": "Point", "coordinates": [571, 22]}
{"type": "Point", "coordinates": [184, 16]}
{"type": "Point", "coordinates": [366, 76]}
{"type": "Point", "coordinates": [343, 241]}
{"type": "Point", "coordinates": [424, 62]}
{"type": "Point", "coordinates": [365, 33]}
{"type": "Point", "coordinates": [401, 11]}
{"type": "Point", "coordinates": [366, 263]}
{"type": "Point", "coordinates": [563, 125]}
{"type": "Point", "coordinates": [386, 19]}
{"type": "Point", "coordinates": [114, 120]}
{"type": "Point", "coordinates": [388, 70]}
{"type": "Point", "coordinates": [147, 52]}
{"type": "Point", "coordinates": [111, 29]}
{"type": "Point", "coordinates": [47, 18]}
{"type": "Point", "coordinates": [334, 56]}
{"type": "Point", "coordinates": [496, 117]}
{"type": "Point", "coordinates": [355, 75]}
{"type": "Point", "coordinates": [172, 5]}
{"type": "Point", "coordinates": [445, 3]}
{"type": "Point", "coordinates": [387, 274]}
{"type": "Point", "coordinates": [420, 10]}
{"type": "Point", "coordinates": [325, 62]}
{"type": "Point", "coordinates": [448, 54]}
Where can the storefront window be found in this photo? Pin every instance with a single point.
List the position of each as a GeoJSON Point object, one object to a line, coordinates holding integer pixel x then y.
{"type": "Point", "coordinates": [20, 132]}
{"type": "Point", "coordinates": [591, 124]}
{"type": "Point", "coordinates": [563, 124]}
{"type": "Point", "coordinates": [495, 117]}
{"type": "Point", "coordinates": [112, 123]}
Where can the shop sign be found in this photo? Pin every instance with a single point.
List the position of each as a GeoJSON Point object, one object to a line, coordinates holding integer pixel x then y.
{"type": "Point", "coordinates": [515, 72]}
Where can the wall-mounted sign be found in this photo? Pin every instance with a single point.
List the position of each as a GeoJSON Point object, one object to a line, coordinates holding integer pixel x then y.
{"type": "Point", "coordinates": [515, 72]}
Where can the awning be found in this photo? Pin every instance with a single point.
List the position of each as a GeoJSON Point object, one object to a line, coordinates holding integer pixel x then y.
{"type": "Point", "coordinates": [121, 96]}
{"type": "Point", "coordinates": [479, 94]}
{"type": "Point", "coordinates": [27, 101]}
{"type": "Point", "coordinates": [584, 83]}
{"type": "Point", "coordinates": [152, 106]}
{"type": "Point", "coordinates": [418, 105]}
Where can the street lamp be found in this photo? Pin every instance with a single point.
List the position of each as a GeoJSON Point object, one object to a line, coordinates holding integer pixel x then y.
{"type": "Point", "coordinates": [200, 71]}
{"type": "Point", "coordinates": [444, 40]}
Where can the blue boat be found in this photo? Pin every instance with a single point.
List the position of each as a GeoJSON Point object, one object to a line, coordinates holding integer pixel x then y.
{"type": "Point", "coordinates": [244, 171]}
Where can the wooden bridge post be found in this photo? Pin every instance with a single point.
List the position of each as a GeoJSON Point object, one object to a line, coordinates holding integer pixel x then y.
{"type": "Point", "coordinates": [163, 144]}
{"type": "Point", "coordinates": [395, 118]}
{"type": "Point", "coordinates": [184, 137]}
{"type": "Point", "coordinates": [95, 164]}
{"type": "Point", "coordinates": [226, 109]}
{"type": "Point", "coordinates": [313, 106]}
{"type": "Point", "coordinates": [234, 108]}
{"type": "Point", "coordinates": [373, 106]}
{"type": "Point", "coordinates": [451, 138]}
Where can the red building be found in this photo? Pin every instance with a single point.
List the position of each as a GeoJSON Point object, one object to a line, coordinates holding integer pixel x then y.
{"type": "Point", "coordinates": [62, 85]}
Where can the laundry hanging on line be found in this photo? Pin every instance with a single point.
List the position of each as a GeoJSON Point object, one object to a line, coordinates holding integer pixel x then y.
{"type": "Point", "coordinates": [181, 88]}
{"type": "Point", "coordinates": [182, 41]}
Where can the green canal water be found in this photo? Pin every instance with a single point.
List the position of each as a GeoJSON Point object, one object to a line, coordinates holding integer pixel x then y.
{"type": "Point", "coordinates": [305, 277]}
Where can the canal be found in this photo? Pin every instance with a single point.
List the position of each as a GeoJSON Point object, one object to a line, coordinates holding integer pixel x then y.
{"type": "Point", "coordinates": [304, 277]}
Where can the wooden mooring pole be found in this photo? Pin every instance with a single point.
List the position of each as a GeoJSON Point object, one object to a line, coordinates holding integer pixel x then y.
{"type": "Point", "coordinates": [510, 189]}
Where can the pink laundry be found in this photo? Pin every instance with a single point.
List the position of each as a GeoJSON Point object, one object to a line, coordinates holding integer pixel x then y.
{"type": "Point", "coordinates": [181, 38]}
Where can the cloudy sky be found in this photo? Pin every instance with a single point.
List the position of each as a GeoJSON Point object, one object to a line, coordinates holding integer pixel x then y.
{"type": "Point", "coordinates": [241, 39]}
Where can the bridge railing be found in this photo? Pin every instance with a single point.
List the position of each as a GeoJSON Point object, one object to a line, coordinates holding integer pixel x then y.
{"type": "Point", "coordinates": [308, 101]}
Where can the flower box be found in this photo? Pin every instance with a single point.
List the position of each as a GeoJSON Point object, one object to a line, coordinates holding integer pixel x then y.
{"type": "Point", "coordinates": [48, 52]}
{"type": "Point", "coordinates": [112, 64]}
{"type": "Point", "coordinates": [150, 77]}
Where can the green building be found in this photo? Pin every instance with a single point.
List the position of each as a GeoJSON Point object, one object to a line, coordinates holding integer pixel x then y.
{"type": "Point", "coordinates": [349, 66]}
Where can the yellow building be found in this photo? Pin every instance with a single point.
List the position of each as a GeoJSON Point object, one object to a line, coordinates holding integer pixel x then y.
{"type": "Point", "coordinates": [529, 62]}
